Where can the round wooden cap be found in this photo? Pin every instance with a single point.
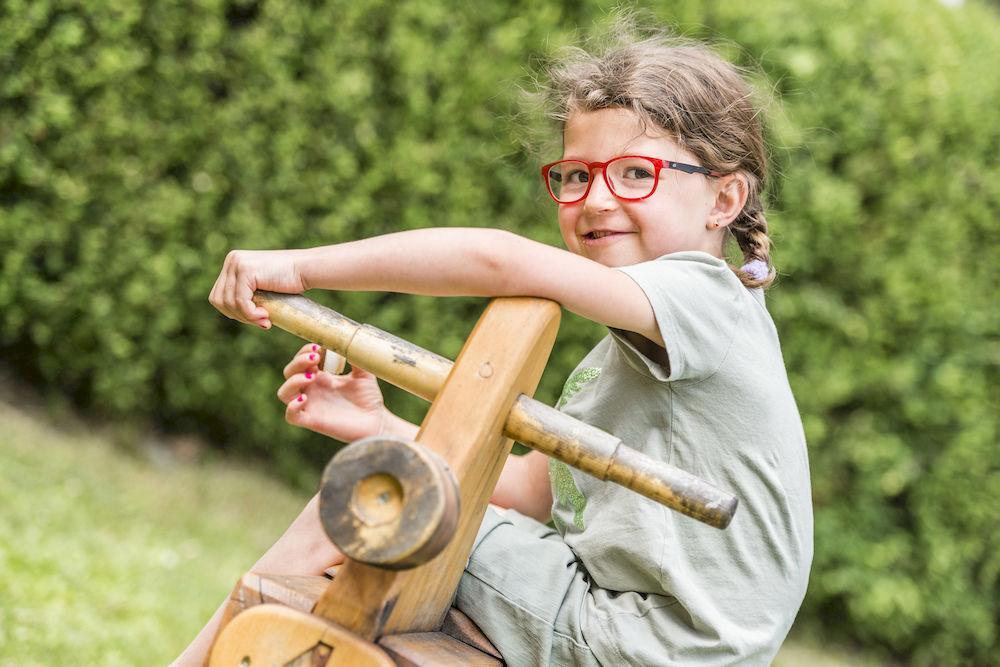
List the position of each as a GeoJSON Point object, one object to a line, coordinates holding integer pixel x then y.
{"type": "Point", "coordinates": [388, 502]}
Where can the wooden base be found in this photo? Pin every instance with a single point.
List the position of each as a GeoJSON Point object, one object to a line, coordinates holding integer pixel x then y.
{"type": "Point", "coordinates": [460, 642]}
{"type": "Point", "coordinates": [272, 634]}
{"type": "Point", "coordinates": [427, 649]}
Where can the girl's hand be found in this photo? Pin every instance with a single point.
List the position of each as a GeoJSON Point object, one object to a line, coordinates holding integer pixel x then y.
{"type": "Point", "coordinates": [345, 407]}
{"type": "Point", "coordinates": [247, 270]}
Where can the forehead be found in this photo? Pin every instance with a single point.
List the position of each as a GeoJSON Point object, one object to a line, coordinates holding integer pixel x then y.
{"type": "Point", "coordinates": [605, 133]}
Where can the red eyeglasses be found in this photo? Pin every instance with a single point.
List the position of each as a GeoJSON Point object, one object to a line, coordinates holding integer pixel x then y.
{"type": "Point", "coordinates": [629, 177]}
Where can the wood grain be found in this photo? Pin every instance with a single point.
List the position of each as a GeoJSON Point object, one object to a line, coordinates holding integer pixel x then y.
{"type": "Point", "coordinates": [458, 625]}
{"type": "Point", "coordinates": [271, 634]}
{"type": "Point", "coordinates": [502, 358]}
{"type": "Point", "coordinates": [434, 649]}
{"type": "Point", "coordinates": [301, 592]}
{"type": "Point", "coordinates": [393, 359]}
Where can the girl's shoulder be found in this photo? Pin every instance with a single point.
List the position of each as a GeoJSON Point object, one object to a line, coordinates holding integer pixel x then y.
{"type": "Point", "coordinates": [700, 306]}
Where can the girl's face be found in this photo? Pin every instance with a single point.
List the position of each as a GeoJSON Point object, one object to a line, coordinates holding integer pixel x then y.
{"type": "Point", "coordinates": [678, 216]}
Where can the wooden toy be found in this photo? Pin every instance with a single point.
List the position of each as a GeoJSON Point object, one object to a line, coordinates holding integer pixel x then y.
{"type": "Point", "coordinates": [406, 513]}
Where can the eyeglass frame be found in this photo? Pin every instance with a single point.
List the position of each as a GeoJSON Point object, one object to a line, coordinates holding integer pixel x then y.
{"type": "Point", "coordinates": [658, 164]}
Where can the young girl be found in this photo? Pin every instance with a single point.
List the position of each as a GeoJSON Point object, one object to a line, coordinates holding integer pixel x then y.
{"type": "Point", "coordinates": [663, 161]}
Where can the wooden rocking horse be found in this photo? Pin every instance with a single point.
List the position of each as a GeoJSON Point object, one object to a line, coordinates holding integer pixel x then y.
{"type": "Point", "coordinates": [406, 513]}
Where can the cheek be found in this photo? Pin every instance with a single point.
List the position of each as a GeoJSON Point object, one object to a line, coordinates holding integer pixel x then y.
{"type": "Point", "coordinates": [567, 218]}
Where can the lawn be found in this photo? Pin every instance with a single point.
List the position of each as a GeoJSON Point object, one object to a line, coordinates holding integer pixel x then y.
{"type": "Point", "coordinates": [111, 558]}
{"type": "Point", "coordinates": [113, 551]}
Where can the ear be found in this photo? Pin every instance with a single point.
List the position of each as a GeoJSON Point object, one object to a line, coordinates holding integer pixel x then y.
{"type": "Point", "coordinates": [731, 192]}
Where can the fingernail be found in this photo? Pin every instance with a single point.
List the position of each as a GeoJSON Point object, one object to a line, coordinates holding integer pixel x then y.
{"type": "Point", "coordinates": [301, 398]}
{"type": "Point", "coordinates": [311, 357]}
{"type": "Point", "coordinates": [309, 376]}
{"type": "Point", "coordinates": [315, 348]}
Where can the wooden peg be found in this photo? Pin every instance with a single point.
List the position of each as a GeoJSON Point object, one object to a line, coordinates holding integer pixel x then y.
{"type": "Point", "coordinates": [388, 502]}
{"type": "Point", "coordinates": [331, 362]}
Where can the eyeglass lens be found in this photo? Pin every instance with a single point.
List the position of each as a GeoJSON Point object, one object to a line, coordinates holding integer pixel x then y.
{"type": "Point", "coordinates": [629, 178]}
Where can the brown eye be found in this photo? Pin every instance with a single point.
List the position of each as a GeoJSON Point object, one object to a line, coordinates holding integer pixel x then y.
{"type": "Point", "coordinates": [638, 173]}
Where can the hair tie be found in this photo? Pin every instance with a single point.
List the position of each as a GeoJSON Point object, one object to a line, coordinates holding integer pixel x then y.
{"type": "Point", "coordinates": [757, 269]}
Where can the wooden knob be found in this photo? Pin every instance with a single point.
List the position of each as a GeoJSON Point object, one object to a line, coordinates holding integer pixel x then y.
{"type": "Point", "coordinates": [388, 502]}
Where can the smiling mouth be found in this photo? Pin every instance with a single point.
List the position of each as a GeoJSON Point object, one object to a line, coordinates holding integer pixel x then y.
{"type": "Point", "coordinates": [601, 237]}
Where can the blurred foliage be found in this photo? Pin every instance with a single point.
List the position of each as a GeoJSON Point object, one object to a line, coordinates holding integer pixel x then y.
{"type": "Point", "coordinates": [141, 141]}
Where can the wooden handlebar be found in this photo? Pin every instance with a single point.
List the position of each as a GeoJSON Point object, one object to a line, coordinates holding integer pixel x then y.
{"type": "Point", "coordinates": [531, 422]}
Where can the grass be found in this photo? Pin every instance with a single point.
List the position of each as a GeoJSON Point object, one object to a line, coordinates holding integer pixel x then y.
{"type": "Point", "coordinates": [111, 559]}
{"type": "Point", "coordinates": [116, 556]}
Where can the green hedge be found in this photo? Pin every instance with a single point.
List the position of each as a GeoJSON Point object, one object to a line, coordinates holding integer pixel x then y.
{"type": "Point", "coordinates": [142, 145]}
{"type": "Point", "coordinates": [139, 144]}
{"type": "Point", "coordinates": [887, 225]}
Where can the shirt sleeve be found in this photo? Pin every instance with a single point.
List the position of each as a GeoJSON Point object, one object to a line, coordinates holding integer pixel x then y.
{"type": "Point", "coordinates": [698, 303]}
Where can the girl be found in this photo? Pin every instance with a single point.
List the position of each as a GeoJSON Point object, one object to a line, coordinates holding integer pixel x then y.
{"type": "Point", "coordinates": [663, 160]}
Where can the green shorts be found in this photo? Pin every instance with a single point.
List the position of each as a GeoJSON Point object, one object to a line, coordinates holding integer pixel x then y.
{"type": "Point", "coordinates": [527, 592]}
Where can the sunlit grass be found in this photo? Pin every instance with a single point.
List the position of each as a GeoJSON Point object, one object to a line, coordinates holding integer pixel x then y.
{"type": "Point", "coordinates": [108, 559]}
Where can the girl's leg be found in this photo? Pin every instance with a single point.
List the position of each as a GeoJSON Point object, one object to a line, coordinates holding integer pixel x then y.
{"type": "Point", "coordinates": [525, 589]}
{"type": "Point", "coordinates": [303, 549]}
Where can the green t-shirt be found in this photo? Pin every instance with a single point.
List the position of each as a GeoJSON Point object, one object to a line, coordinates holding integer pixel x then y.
{"type": "Point", "coordinates": [666, 589]}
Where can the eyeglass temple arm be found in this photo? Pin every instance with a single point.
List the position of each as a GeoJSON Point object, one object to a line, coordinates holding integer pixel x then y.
{"type": "Point", "coordinates": [691, 169]}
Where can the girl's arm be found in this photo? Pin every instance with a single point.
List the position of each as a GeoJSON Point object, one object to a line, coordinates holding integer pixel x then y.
{"type": "Point", "coordinates": [524, 486]}
{"type": "Point", "coordinates": [440, 262]}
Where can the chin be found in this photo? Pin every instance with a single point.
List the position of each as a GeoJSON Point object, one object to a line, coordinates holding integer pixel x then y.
{"type": "Point", "coordinates": [614, 259]}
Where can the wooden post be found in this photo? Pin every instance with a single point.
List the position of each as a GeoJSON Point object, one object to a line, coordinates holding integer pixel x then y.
{"type": "Point", "coordinates": [503, 358]}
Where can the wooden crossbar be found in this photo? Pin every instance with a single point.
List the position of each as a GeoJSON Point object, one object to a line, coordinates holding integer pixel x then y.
{"type": "Point", "coordinates": [543, 428]}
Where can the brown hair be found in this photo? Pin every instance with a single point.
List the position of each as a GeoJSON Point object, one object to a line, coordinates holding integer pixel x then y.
{"type": "Point", "coordinates": [684, 88]}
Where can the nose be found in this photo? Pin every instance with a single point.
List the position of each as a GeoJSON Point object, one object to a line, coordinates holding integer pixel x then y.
{"type": "Point", "coordinates": [599, 198]}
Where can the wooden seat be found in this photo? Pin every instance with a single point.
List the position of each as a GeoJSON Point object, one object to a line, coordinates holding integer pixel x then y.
{"type": "Point", "coordinates": [459, 642]}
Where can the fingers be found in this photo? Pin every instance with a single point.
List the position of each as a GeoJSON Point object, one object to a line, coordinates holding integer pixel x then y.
{"type": "Point", "coordinates": [313, 355]}
{"type": "Point", "coordinates": [307, 358]}
{"type": "Point", "coordinates": [229, 289]}
{"type": "Point", "coordinates": [358, 373]}
{"type": "Point", "coordinates": [301, 372]}
{"type": "Point", "coordinates": [232, 295]}
{"type": "Point", "coordinates": [307, 374]}
{"type": "Point", "coordinates": [253, 312]}
{"type": "Point", "coordinates": [295, 386]}
{"type": "Point", "coordinates": [293, 413]}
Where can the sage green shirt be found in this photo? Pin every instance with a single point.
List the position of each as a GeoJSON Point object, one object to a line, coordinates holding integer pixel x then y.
{"type": "Point", "coordinates": [664, 588]}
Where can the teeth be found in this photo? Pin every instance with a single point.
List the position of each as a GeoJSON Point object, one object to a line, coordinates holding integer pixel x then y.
{"type": "Point", "coordinates": [598, 235]}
